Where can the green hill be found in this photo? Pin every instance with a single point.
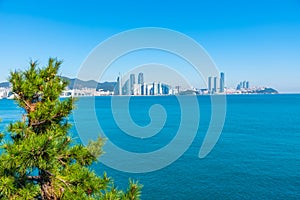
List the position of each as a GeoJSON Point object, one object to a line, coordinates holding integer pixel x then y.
{"type": "Point", "coordinates": [75, 83]}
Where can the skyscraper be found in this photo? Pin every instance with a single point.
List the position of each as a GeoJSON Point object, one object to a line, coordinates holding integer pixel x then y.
{"type": "Point", "coordinates": [215, 84]}
{"type": "Point", "coordinates": [159, 88]}
{"type": "Point", "coordinates": [210, 85]}
{"type": "Point", "coordinates": [154, 86]}
{"type": "Point", "coordinates": [165, 89]}
{"type": "Point", "coordinates": [143, 89]}
{"type": "Point", "coordinates": [247, 85]}
{"type": "Point", "coordinates": [140, 78]}
{"type": "Point", "coordinates": [126, 88]}
{"type": "Point", "coordinates": [222, 82]}
{"type": "Point", "coordinates": [148, 89]}
{"type": "Point", "coordinates": [118, 88]}
{"type": "Point", "coordinates": [131, 83]}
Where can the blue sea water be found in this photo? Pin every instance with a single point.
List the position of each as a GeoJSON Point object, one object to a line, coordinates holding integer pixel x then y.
{"type": "Point", "coordinates": [256, 157]}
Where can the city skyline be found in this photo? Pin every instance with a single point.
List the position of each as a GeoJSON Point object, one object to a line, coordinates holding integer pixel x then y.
{"type": "Point", "coordinates": [130, 87]}
{"type": "Point", "coordinates": [255, 41]}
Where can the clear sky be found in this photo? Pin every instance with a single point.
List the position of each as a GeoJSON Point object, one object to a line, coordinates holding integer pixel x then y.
{"type": "Point", "coordinates": [253, 40]}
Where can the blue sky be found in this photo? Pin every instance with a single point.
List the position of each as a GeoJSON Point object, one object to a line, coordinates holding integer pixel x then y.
{"type": "Point", "coordinates": [257, 41]}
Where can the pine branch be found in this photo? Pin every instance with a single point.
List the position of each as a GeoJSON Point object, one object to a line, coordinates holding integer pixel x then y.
{"type": "Point", "coordinates": [34, 178]}
{"type": "Point", "coordinates": [46, 120]}
{"type": "Point", "coordinates": [54, 176]}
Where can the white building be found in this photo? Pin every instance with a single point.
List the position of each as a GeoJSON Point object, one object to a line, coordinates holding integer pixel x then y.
{"type": "Point", "coordinates": [4, 92]}
{"type": "Point", "coordinates": [137, 89]}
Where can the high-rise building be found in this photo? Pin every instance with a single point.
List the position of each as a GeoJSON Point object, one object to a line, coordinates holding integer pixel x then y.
{"type": "Point", "coordinates": [222, 82]}
{"type": "Point", "coordinates": [210, 85]}
{"type": "Point", "coordinates": [240, 86]}
{"type": "Point", "coordinates": [215, 85]}
{"type": "Point", "coordinates": [126, 88]}
{"type": "Point", "coordinates": [118, 88]}
{"type": "Point", "coordinates": [141, 78]}
{"type": "Point", "coordinates": [247, 85]}
{"type": "Point", "coordinates": [143, 89]}
{"type": "Point", "coordinates": [154, 86]}
{"type": "Point", "coordinates": [147, 90]}
{"type": "Point", "coordinates": [244, 84]}
{"type": "Point", "coordinates": [131, 83]}
{"type": "Point", "coordinates": [165, 89]}
{"type": "Point", "coordinates": [137, 89]}
{"type": "Point", "coordinates": [159, 90]}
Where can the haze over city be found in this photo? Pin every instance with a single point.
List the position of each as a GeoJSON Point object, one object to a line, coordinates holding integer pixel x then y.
{"type": "Point", "coordinates": [256, 41]}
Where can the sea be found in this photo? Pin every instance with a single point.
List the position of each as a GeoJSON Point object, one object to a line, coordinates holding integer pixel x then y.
{"type": "Point", "coordinates": [257, 155]}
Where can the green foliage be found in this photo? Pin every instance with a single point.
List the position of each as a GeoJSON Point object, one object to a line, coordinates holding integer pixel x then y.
{"type": "Point", "coordinates": [39, 162]}
{"type": "Point", "coordinates": [1, 134]}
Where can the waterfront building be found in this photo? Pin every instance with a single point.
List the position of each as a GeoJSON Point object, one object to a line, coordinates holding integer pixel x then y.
{"type": "Point", "coordinates": [118, 87]}
{"type": "Point", "coordinates": [146, 90]}
{"type": "Point", "coordinates": [210, 85]}
{"type": "Point", "coordinates": [165, 89]}
{"type": "Point", "coordinates": [137, 89]}
{"type": "Point", "coordinates": [149, 89]}
{"type": "Point", "coordinates": [159, 90]}
{"type": "Point", "coordinates": [143, 89]}
{"type": "Point", "coordinates": [4, 92]}
{"type": "Point", "coordinates": [239, 86]}
{"type": "Point", "coordinates": [222, 82]}
{"type": "Point", "coordinates": [215, 89]}
{"type": "Point", "coordinates": [141, 78]}
{"type": "Point", "coordinates": [126, 88]}
{"type": "Point", "coordinates": [131, 83]}
{"type": "Point", "coordinates": [244, 84]}
{"type": "Point", "coordinates": [155, 89]}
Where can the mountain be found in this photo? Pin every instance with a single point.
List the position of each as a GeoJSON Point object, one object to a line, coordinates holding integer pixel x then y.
{"type": "Point", "coordinates": [5, 84]}
{"type": "Point", "coordinates": [75, 83]}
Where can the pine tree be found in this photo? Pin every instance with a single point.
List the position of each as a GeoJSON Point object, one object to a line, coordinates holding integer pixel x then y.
{"type": "Point", "coordinates": [41, 161]}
